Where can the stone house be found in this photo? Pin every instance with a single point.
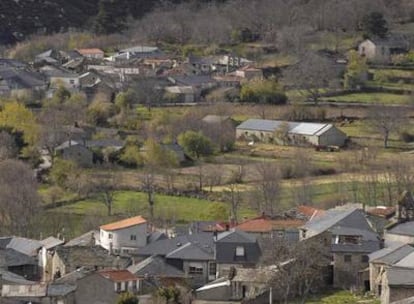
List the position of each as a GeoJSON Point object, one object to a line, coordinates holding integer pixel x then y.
{"type": "Point", "coordinates": [381, 50]}
{"type": "Point", "coordinates": [246, 284]}
{"type": "Point", "coordinates": [67, 259]}
{"type": "Point", "coordinates": [19, 82]}
{"type": "Point", "coordinates": [397, 284]}
{"type": "Point", "coordinates": [290, 133]}
{"type": "Point", "coordinates": [381, 260]}
{"type": "Point", "coordinates": [351, 238]}
{"type": "Point", "coordinates": [202, 257]}
{"type": "Point", "coordinates": [58, 76]}
{"type": "Point", "coordinates": [75, 151]}
{"type": "Point", "coordinates": [124, 236]}
{"type": "Point", "coordinates": [236, 249]}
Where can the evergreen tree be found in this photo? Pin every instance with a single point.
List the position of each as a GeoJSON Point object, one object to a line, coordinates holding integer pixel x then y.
{"type": "Point", "coordinates": [111, 17]}
{"type": "Point", "coordinates": [375, 25]}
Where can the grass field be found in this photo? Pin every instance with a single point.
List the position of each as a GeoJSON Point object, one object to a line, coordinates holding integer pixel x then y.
{"type": "Point", "coordinates": [341, 297]}
{"type": "Point", "coordinates": [372, 98]}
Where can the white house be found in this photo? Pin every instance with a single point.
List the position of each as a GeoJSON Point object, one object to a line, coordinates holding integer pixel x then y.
{"type": "Point", "coordinates": [124, 236]}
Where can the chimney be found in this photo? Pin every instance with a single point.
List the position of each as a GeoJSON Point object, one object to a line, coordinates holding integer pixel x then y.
{"type": "Point", "coordinates": [93, 240]}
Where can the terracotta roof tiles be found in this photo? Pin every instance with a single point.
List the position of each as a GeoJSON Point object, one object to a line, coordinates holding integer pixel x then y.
{"type": "Point", "coordinates": [137, 220]}
{"type": "Point", "coordinates": [118, 275]}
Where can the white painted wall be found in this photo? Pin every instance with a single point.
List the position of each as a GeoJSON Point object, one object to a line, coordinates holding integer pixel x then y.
{"type": "Point", "coordinates": [121, 238]}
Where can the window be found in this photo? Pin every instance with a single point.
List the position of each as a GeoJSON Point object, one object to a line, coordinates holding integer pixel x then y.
{"type": "Point", "coordinates": [280, 234]}
{"type": "Point", "coordinates": [364, 258]}
{"type": "Point", "coordinates": [212, 268]}
{"type": "Point", "coordinates": [109, 235]}
{"type": "Point", "coordinates": [239, 251]}
{"type": "Point", "coordinates": [72, 81]}
{"type": "Point", "coordinates": [133, 237]}
{"type": "Point", "coordinates": [195, 269]}
{"type": "Point", "coordinates": [347, 258]}
{"type": "Point", "coordinates": [118, 286]}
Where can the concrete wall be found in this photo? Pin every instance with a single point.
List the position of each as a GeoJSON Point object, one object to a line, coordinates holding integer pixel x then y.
{"type": "Point", "coordinates": [67, 82]}
{"type": "Point", "coordinates": [332, 137]}
{"type": "Point", "coordinates": [121, 239]}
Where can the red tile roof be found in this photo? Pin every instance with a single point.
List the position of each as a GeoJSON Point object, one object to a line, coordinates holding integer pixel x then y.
{"type": "Point", "coordinates": [310, 211]}
{"type": "Point", "coordinates": [382, 211]}
{"type": "Point", "coordinates": [118, 275]}
{"type": "Point", "coordinates": [137, 220]}
{"type": "Point", "coordinates": [90, 51]}
{"type": "Point", "coordinates": [263, 224]}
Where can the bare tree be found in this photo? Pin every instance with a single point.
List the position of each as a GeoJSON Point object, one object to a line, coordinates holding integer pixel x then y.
{"type": "Point", "coordinates": [268, 187]}
{"type": "Point", "coordinates": [234, 196]}
{"type": "Point", "coordinates": [19, 199]}
{"type": "Point", "coordinates": [300, 267]}
{"type": "Point", "coordinates": [105, 187]}
{"type": "Point", "coordinates": [386, 120]}
{"type": "Point", "coordinates": [312, 74]}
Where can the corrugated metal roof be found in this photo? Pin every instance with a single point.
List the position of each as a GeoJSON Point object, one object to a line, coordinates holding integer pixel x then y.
{"type": "Point", "coordinates": [306, 128]}
{"type": "Point", "coordinates": [303, 128]}
{"type": "Point", "coordinates": [407, 261]}
{"type": "Point", "coordinates": [400, 276]}
{"type": "Point", "coordinates": [391, 255]}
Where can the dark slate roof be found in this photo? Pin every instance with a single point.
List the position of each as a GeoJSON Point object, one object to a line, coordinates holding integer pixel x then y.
{"type": "Point", "coordinates": [23, 245]}
{"type": "Point", "coordinates": [90, 256]}
{"type": "Point", "coordinates": [192, 80]}
{"type": "Point", "coordinates": [192, 251]}
{"type": "Point", "coordinates": [164, 247]}
{"type": "Point", "coordinates": [10, 257]}
{"type": "Point", "coordinates": [12, 63]}
{"type": "Point", "coordinates": [406, 228]}
{"type": "Point", "coordinates": [391, 255]}
{"type": "Point", "coordinates": [236, 236]}
{"type": "Point", "coordinates": [21, 78]}
{"type": "Point", "coordinates": [155, 266]}
{"type": "Point", "coordinates": [60, 290]}
{"type": "Point", "coordinates": [51, 242]}
{"type": "Point", "coordinates": [72, 277]}
{"type": "Point", "coordinates": [398, 276]}
{"type": "Point", "coordinates": [84, 239]}
{"type": "Point", "coordinates": [156, 236]}
{"type": "Point", "coordinates": [10, 277]}
{"type": "Point", "coordinates": [363, 247]}
{"type": "Point", "coordinates": [328, 220]}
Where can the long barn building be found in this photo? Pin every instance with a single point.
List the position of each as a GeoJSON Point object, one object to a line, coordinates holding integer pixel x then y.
{"type": "Point", "coordinates": [291, 133]}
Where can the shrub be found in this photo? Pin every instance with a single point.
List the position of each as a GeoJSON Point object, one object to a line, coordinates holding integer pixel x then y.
{"type": "Point", "coordinates": [406, 136]}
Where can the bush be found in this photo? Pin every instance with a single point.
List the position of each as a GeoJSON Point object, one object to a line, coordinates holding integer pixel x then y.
{"type": "Point", "coordinates": [406, 137]}
{"type": "Point", "coordinates": [267, 91]}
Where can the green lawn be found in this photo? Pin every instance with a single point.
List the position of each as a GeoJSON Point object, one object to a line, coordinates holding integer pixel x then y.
{"type": "Point", "coordinates": [181, 209]}
{"type": "Point", "coordinates": [341, 297]}
{"type": "Point", "coordinates": [372, 98]}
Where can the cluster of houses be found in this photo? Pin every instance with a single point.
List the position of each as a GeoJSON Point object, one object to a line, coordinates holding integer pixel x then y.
{"type": "Point", "coordinates": [369, 250]}
{"type": "Point", "coordinates": [91, 72]}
